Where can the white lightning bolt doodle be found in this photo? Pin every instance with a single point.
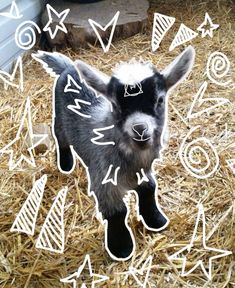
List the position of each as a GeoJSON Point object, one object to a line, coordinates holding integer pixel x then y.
{"type": "Point", "coordinates": [75, 108]}
{"type": "Point", "coordinates": [100, 136]}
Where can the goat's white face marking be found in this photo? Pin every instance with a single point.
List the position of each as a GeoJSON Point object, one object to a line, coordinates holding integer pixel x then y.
{"type": "Point", "coordinates": [140, 127]}
{"type": "Point", "coordinates": [133, 72]}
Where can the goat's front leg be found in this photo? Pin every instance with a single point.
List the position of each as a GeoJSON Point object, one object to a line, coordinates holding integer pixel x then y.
{"type": "Point", "coordinates": [119, 241]}
{"type": "Point", "coordinates": [150, 214]}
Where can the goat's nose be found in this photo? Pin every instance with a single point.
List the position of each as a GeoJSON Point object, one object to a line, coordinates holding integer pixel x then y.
{"type": "Point", "coordinates": [140, 128]}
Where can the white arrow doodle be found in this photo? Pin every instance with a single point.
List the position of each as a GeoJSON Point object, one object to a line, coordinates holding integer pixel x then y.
{"type": "Point", "coordinates": [199, 101]}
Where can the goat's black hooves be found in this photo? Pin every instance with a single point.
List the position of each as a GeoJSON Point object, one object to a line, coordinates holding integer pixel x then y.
{"type": "Point", "coordinates": [119, 241]}
{"type": "Point", "coordinates": [66, 159]}
{"type": "Point", "coordinates": [154, 219]}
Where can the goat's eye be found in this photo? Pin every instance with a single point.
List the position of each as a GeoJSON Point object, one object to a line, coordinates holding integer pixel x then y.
{"type": "Point", "coordinates": [160, 100]}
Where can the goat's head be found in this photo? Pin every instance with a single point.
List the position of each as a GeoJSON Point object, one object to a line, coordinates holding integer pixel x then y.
{"type": "Point", "coordinates": [138, 95]}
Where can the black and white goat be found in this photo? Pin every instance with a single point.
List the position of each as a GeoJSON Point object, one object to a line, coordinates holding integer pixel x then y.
{"type": "Point", "coordinates": [116, 127]}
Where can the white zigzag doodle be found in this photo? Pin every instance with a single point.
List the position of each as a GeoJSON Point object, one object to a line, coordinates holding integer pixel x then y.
{"type": "Point", "coordinates": [112, 22]}
{"type": "Point", "coordinates": [62, 15]}
{"type": "Point", "coordinates": [183, 35]}
{"type": "Point", "coordinates": [161, 25]}
{"type": "Point", "coordinates": [13, 13]}
{"type": "Point", "coordinates": [75, 108]}
{"type": "Point", "coordinates": [100, 136]}
{"type": "Point", "coordinates": [188, 248]}
{"type": "Point", "coordinates": [199, 101]}
{"type": "Point", "coordinates": [51, 236]}
{"type": "Point", "coordinates": [76, 275]}
{"type": "Point", "coordinates": [112, 180]}
{"type": "Point", "coordinates": [143, 178]}
{"type": "Point", "coordinates": [8, 78]}
{"type": "Point", "coordinates": [26, 219]}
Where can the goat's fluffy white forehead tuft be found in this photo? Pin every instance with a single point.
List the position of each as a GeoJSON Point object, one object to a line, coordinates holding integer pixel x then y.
{"type": "Point", "coordinates": [133, 72]}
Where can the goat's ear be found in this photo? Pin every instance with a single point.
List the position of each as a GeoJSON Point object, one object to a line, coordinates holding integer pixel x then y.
{"type": "Point", "coordinates": [179, 68]}
{"type": "Point", "coordinates": [93, 77]}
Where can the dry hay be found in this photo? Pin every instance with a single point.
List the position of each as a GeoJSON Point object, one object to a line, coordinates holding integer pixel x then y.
{"type": "Point", "coordinates": [22, 265]}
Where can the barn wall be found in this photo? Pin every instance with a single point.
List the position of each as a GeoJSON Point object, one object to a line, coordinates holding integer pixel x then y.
{"type": "Point", "coordinates": [9, 51]}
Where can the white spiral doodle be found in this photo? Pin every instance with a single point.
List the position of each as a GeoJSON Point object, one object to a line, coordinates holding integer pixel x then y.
{"type": "Point", "coordinates": [197, 167]}
{"type": "Point", "coordinates": [25, 37]}
{"type": "Point", "coordinates": [218, 66]}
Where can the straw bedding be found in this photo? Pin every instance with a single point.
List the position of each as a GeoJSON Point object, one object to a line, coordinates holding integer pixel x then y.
{"type": "Point", "coordinates": [22, 265]}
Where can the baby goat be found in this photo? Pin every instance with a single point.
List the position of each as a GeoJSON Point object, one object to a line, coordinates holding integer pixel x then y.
{"type": "Point", "coordinates": [116, 127]}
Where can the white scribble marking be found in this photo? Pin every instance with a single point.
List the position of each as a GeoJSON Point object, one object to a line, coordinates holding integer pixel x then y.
{"type": "Point", "coordinates": [75, 276]}
{"type": "Point", "coordinates": [101, 135]}
{"type": "Point", "coordinates": [26, 218]}
{"type": "Point", "coordinates": [13, 13]}
{"type": "Point", "coordinates": [199, 101]}
{"type": "Point", "coordinates": [133, 90]}
{"type": "Point", "coordinates": [112, 180]}
{"type": "Point", "coordinates": [203, 27]}
{"type": "Point", "coordinates": [196, 167]}
{"type": "Point", "coordinates": [183, 35]}
{"type": "Point", "coordinates": [9, 78]}
{"type": "Point", "coordinates": [194, 241]}
{"type": "Point", "coordinates": [141, 178]}
{"type": "Point", "coordinates": [70, 82]}
{"type": "Point", "coordinates": [161, 24]}
{"type": "Point", "coordinates": [113, 22]}
{"type": "Point", "coordinates": [34, 138]}
{"type": "Point", "coordinates": [25, 37]}
{"type": "Point", "coordinates": [61, 16]}
{"type": "Point", "coordinates": [51, 236]}
{"type": "Point", "coordinates": [217, 68]}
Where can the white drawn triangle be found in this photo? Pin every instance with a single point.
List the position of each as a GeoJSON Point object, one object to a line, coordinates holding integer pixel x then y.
{"type": "Point", "coordinates": [113, 22]}
{"type": "Point", "coordinates": [26, 219]}
{"type": "Point", "coordinates": [51, 236]}
{"type": "Point", "coordinates": [71, 82]}
{"type": "Point", "coordinates": [161, 24]}
{"type": "Point", "coordinates": [183, 35]}
{"type": "Point", "coordinates": [199, 101]}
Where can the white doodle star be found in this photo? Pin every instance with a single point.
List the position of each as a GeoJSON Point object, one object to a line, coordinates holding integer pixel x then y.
{"type": "Point", "coordinates": [61, 16]}
{"type": "Point", "coordinates": [73, 277]}
{"type": "Point", "coordinates": [203, 28]}
{"type": "Point", "coordinates": [189, 249]}
{"type": "Point", "coordinates": [35, 139]}
{"type": "Point", "coordinates": [137, 274]}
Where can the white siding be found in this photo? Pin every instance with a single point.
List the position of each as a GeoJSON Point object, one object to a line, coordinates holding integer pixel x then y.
{"type": "Point", "coordinates": [9, 51]}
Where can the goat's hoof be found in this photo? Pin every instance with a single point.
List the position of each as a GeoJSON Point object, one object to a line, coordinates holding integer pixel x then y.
{"type": "Point", "coordinates": [154, 219]}
{"type": "Point", "coordinates": [119, 242]}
